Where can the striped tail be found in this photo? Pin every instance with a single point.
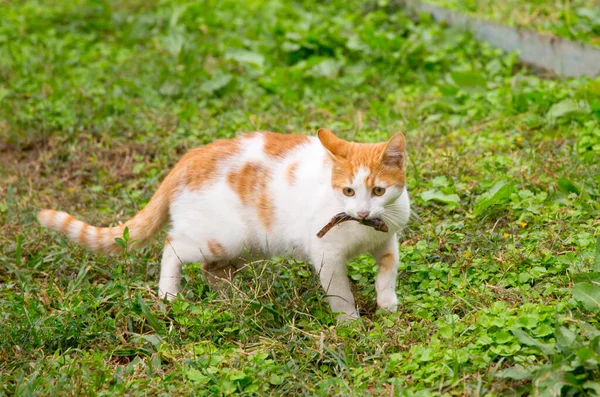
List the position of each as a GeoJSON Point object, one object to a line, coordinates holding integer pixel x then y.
{"type": "Point", "coordinates": [141, 227]}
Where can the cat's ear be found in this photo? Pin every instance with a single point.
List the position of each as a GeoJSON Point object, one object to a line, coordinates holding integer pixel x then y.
{"type": "Point", "coordinates": [393, 154]}
{"type": "Point", "coordinates": [336, 146]}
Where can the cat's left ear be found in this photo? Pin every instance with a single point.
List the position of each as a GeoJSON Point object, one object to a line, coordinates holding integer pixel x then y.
{"type": "Point", "coordinates": [393, 154]}
{"type": "Point", "coordinates": [334, 145]}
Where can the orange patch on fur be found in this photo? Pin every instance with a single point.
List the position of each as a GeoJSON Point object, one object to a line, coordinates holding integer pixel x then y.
{"type": "Point", "coordinates": [391, 176]}
{"type": "Point", "coordinates": [266, 210]}
{"type": "Point", "coordinates": [278, 145]}
{"type": "Point", "coordinates": [250, 185]}
{"type": "Point", "coordinates": [66, 223]}
{"type": "Point", "coordinates": [369, 156]}
{"type": "Point", "coordinates": [199, 166]}
{"type": "Point", "coordinates": [83, 234]}
{"type": "Point", "coordinates": [216, 249]}
{"type": "Point", "coordinates": [290, 174]}
{"type": "Point", "coordinates": [349, 157]}
{"type": "Point", "coordinates": [247, 181]}
{"type": "Point", "coordinates": [386, 262]}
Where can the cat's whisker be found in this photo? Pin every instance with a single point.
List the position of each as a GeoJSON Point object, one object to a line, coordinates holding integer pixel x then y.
{"type": "Point", "coordinates": [395, 224]}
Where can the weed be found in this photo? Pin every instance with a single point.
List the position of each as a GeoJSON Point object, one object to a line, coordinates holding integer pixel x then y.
{"type": "Point", "coordinates": [99, 99]}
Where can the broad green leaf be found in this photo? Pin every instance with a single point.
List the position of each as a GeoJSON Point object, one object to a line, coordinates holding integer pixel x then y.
{"type": "Point", "coordinates": [566, 186]}
{"type": "Point", "coordinates": [244, 56]}
{"type": "Point", "coordinates": [328, 68]}
{"type": "Point", "coordinates": [582, 277]}
{"type": "Point", "coordinates": [237, 375]}
{"type": "Point", "coordinates": [469, 81]}
{"type": "Point", "coordinates": [565, 337]}
{"type": "Point", "coordinates": [503, 337]}
{"type": "Point", "coordinates": [444, 105]}
{"type": "Point", "coordinates": [173, 43]}
{"type": "Point", "coordinates": [527, 340]}
{"type": "Point", "coordinates": [447, 90]}
{"type": "Point", "coordinates": [589, 331]}
{"type": "Point", "coordinates": [218, 81]}
{"type": "Point", "coordinates": [426, 354]}
{"type": "Point", "coordinates": [441, 197]}
{"type": "Point", "coordinates": [567, 108]}
{"type": "Point", "coordinates": [592, 385]}
{"type": "Point", "coordinates": [584, 354]}
{"type": "Point", "coordinates": [588, 295]}
{"type": "Point", "coordinates": [498, 194]}
{"type": "Point", "coordinates": [396, 358]}
{"type": "Point", "coordinates": [549, 381]}
{"type": "Point", "coordinates": [120, 242]}
{"type": "Point", "coordinates": [154, 339]}
{"type": "Point", "coordinates": [517, 372]}
{"type": "Point", "coordinates": [196, 376]}
{"type": "Point", "coordinates": [275, 379]}
{"type": "Point", "coordinates": [441, 181]}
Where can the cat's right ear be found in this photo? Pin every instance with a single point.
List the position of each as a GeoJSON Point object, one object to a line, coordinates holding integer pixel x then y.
{"type": "Point", "coordinates": [334, 145]}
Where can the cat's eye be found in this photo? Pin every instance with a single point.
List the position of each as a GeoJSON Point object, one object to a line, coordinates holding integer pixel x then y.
{"type": "Point", "coordinates": [348, 191]}
{"type": "Point", "coordinates": [378, 191]}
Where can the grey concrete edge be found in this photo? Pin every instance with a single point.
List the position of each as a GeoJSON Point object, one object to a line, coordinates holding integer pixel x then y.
{"type": "Point", "coordinates": [560, 56]}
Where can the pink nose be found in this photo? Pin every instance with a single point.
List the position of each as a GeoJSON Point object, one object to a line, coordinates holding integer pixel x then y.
{"type": "Point", "coordinates": [363, 214]}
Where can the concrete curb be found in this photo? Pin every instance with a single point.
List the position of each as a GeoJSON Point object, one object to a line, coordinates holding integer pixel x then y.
{"type": "Point", "coordinates": [561, 56]}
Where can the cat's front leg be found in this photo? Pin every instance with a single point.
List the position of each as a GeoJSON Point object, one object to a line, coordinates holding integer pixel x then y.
{"type": "Point", "coordinates": [385, 282]}
{"type": "Point", "coordinates": [331, 269]}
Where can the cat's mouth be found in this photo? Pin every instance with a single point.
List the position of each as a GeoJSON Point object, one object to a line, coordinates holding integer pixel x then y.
{"type": "Point", "coordinates": [376, 223]}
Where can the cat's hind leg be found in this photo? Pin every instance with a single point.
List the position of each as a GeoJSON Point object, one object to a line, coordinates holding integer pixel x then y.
{"type": "Point", "coordinates": [218, 266]}
{"type": "Point", "coordinates": [170, 271]}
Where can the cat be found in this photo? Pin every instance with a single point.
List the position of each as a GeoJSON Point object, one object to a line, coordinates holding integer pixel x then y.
{"type": "Point", "coordinates": [269, 194]}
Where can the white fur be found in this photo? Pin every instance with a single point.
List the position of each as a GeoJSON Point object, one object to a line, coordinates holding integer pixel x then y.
{"type": "Point", "coordinates": [301, 210]}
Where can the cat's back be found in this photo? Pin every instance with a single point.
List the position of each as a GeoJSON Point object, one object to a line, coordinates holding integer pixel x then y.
{"type": "Point", "coordinates": [249, 190]}
{"type": "Point", "coordinates": [251, 158]}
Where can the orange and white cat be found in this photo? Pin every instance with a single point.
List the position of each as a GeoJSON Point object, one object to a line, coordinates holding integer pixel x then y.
{"type": "Point", "coordinates": [269, 194]}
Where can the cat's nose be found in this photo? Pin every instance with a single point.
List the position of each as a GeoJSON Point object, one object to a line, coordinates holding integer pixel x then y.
{"type": "Point", "coordinates": [363, 214]}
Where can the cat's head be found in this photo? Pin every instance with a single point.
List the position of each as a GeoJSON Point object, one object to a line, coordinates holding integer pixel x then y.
{"type": "Point", "coordinates": [366, 177]}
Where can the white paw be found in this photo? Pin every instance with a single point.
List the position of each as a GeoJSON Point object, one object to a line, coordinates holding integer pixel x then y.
{"type": "Point", "coordinates": [343, 317]}
{"type": "Point", "coordinates": [168, 288]}
{"type": "Point", "coordinates": [388, 301]}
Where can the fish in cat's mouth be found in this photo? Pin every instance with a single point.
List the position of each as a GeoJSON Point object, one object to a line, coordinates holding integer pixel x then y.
{"type": "Point", "coordinates": [376, 223]}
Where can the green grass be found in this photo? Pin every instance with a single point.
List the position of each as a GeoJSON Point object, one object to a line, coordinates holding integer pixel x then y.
{"type": "Point", "coordinates": [499, 270]}
{"type": "Point", "coordinates": [577, 20]}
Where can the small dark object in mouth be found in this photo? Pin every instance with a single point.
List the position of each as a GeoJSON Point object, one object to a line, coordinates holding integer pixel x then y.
{"type": "Point", "coordinates": [375, 223]}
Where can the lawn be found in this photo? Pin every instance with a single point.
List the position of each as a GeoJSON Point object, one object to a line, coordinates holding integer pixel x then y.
{"type": "Point", "coordinates": [499, 267]}
{"type": "Point", "coordinates": [577, 20]}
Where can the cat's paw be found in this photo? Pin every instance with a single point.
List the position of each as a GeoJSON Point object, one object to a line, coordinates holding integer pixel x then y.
{"type": "Point", "coordinates": [388, 301]}
{"type": "Point", "coordinates": [168, 289]}
{"type": "Point", "coordinates": [345, 317]}
{"type": "Point", "coordinates": [167, 295]}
